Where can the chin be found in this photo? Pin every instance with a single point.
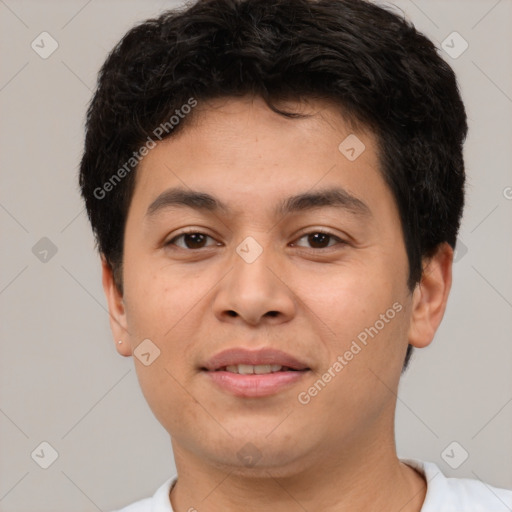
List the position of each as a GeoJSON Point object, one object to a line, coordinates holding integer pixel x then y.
{"type": "Point", "coordinates": [258, 457]}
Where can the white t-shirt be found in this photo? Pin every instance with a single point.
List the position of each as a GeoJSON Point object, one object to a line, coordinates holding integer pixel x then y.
{"type": "Point", "coordinates": [443, 494]}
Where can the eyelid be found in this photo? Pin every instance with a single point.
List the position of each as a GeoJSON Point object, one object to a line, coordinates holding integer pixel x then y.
{"type": "Point", "coordinates": [339, 240]}
{"type": "Point", "coordinates": [189, 231]}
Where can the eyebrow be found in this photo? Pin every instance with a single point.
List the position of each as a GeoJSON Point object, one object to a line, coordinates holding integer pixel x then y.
{"type": "Point", "coordinates": [327, 198]}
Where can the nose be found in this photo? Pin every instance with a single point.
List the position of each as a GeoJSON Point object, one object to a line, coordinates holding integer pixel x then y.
{"type": "Point", "coordinates": [255, 292]}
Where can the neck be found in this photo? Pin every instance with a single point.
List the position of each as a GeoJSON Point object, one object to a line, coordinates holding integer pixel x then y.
{"type": "Point", "coordinates": [369, 477]}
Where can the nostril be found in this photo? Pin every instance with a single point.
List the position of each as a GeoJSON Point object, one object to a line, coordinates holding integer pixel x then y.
{"type": "Point", "coordinates": [232, 313]}
{"type": "Point", "coordinates": [272, 313]}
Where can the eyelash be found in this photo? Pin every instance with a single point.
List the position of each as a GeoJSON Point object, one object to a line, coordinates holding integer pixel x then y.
{"type": "Point", "coordinates": [315, 232]}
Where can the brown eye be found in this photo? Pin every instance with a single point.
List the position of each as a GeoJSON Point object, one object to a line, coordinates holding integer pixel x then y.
{"type": "Point", "coordinates": [320, 240]}
{"type": "Point", "coordinates": [190, 240]}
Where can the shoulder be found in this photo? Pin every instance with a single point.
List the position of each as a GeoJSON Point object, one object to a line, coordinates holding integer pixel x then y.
{"type": "Point", "coordinates": [456, 494]}
{"type": "Point", "coordinates": [159, 502]}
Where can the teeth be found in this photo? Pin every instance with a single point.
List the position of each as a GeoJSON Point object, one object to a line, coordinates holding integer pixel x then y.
{"type": "Point", "coordinates": [248, 369]}
{"type": "Point", "coordinates": [262, 368]}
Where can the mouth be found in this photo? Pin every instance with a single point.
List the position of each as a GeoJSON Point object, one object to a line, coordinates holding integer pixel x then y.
{"type": "Point", "coordinates": [257, 369]}
{"type": "Point", "coordinates": [254, 373]}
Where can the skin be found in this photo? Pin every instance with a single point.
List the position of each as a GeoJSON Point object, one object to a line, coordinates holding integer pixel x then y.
{"type": "Point", "coordinates": [336, 453]}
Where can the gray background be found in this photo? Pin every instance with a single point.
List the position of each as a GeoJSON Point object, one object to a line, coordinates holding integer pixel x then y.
{"type": "Point", "coordinates": [61, 379]}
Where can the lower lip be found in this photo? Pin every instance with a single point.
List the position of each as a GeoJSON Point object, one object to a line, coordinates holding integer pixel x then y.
{"type": "Point", "coordinates": [254, 385]}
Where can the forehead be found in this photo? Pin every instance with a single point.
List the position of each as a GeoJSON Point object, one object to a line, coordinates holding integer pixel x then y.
{"type": "Point", "coordinates": [244, 154]}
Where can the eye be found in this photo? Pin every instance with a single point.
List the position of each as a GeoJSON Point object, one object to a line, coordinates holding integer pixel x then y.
{"type": "Point", "coordinates": [191, 240]}
{"type": "Point", "coordinates": [320, 240]}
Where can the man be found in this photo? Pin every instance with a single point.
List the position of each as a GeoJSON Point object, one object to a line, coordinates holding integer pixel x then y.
{"type": "Point", "coordinates": [276, 190]}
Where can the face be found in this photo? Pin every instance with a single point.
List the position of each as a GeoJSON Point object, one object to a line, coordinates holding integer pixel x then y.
{"type": "Point", "coordinates": [298, 248]}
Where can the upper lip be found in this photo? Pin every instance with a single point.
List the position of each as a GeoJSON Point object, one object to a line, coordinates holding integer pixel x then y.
{"type": "Point", "coordinates": [235, 356]}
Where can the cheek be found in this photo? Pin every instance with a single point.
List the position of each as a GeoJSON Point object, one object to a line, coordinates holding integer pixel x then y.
{"type": "Point", "coordinates": [347, 298]}
{"type": "Point", "coordinates": [155, 300]}
{"type": "Point", "coordinates": [157, 311]}
{"type": "Point", "coordinates": [360, 312]}
{"type": "Point", "coordinates": [364, 362]}
{"type": "Point", "coordinates": [165, 392]}
{"type": "Point", "coordinates": [162, 306]}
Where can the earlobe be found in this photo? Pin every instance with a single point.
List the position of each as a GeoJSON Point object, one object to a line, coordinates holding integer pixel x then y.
{"type": "Point", "coordinates": [116, 310]}
{"type": "Point", "coordinates": [430, 297]}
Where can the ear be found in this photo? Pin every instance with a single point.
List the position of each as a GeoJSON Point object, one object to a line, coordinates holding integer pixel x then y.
{"type": "Point", "coordinates": [116, 310]}
{"type": "Point", "coordinates": [430, 297]}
